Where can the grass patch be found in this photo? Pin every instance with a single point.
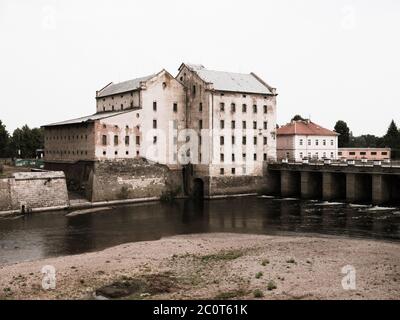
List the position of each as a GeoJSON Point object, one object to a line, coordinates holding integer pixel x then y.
{"type": "Point", "coordinates": [223, 256]}
{"type": "Point", "coordinates": [264, 262]}
{"type": "Point", "coordinates": [271, 285]}
{"type": "Point", "coordinates": [258, 293]}
{"type": "Point", "coordinates": [230, 294]}
{"type": "Point", "coordinates": [259, 275]}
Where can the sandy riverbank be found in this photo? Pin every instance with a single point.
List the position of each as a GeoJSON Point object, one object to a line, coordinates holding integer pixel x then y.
{"type": "Point", "coordinates": [212, 266]}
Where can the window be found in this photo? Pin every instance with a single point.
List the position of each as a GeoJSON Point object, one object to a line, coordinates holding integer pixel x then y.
{"type": "Point", "coordinates": [122, 106]}
{"type": "Point", "coordinates": [233, 107]}
{"type": "Point", "coordinates": [154, 124]}
{"type": "Point", "coordinates": [255, 108]}
{"type": "Point", "coordinates": [104, 153]}
{"type": "Point", "coordinates": [265, 109]}
{"type": "Point", "coordinates": [352, 153]}
{"type": "Point", "coordinates": [233, 140]}
{"type": "Point", "coordinates": [233, 171]}
{"type": "Point", "coordinates": [194, 90]}
{"type": "Point", "coordinates": [112, 108]}
{"type": "Point", "coordinates": [127, 152]}
{"type": "Point", "coordinates": [233, 157]}
{"type": "Point", "coordinates": [363, 153]}
{"type": "Point", "coordinates": [222, 157]}
{"type": "Point", "coordinates": [127, 140]}
{"type": "Point", "coordinates": [265, 125]}
{"type": "Point", "coordinates": [200, 124]}
{"type": "Point", "coordinates": [373, 153]}
{"type": "Point", "coordinates": [340, 153]}
{"type": "Point", "coordinates": [200, 107]}
{"type": "Point", "coordinates": [164, 85]}
{"type": "Point", "coordinates": [265, 157]}
{"type": "Point", "coordinates": [138, 140]}
{"type": "Point", "coordinates": [255, 157]}
{"type": "Point", "coordinates": [154, 139]}
{"type": "Point", "coordinates": [332, 143]}
{"type": "Point", "coordinates": [115, 140]}
{"type": "Point", "coordinates": [222, 106]}
{"type": "Point", "coordinates": [309, 142]}
{"type": "Point", "coordinates": [255, 141]}
{"type": "Point", "coordinates": [104, 139]}
{"type": "Point", "coordinates": [175, 107]}
{"type": "Point", "coordinates": [244, 124]}
{"type": "Point", "coordinates": [316, 142]}
{"type": "Point", "coordinates": [244, 156]}
{"type": "Point", "coordinates": [221, 140]}
{"type": "Point", "coordinates": [324, 142]}
{"type": "Point", "coordinates": [233, 124]}
{"type": "Point", "coordinates": [265, 141]}
{"type": "Point", "coordinates": [116, 153]}
{"type": "Point", "coordinates": [244, 108]}
{"type": "Point", "coordinates": [254, 124]}
{"type": "Point", "coordinates": [154, 105]}
{"type": "Point", "coordinates": [244, 140]}
{"type": "Point", "coordinates": [301, 142]}
{"type": "Point", "coordinates": [222, 124]}
{"type": "Point", "coordinates": [384, 153]}
{"type": "Point", "coordinates": [221, 171]}
{"type": "Point", "coordinates": [332, 155]}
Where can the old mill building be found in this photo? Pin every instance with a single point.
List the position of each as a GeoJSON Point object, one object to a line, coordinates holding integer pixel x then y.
{"type": "Point", "coordinates": [221, 124]}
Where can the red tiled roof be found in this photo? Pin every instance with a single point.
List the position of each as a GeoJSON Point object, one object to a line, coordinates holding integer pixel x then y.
{"type": "Point", "coordinates": [305, 128]}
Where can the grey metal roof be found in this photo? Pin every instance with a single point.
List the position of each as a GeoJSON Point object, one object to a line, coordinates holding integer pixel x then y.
{"type": "Point", "coordinates": [121, 87]}
{"type": "Point", "coordinates": [91, 118]}
{"type": "Point", "coordinates": [229, 81]}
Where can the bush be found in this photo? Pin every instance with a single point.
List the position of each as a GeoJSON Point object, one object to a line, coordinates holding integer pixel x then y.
{"type": "Point", "coordinates": [259, 275]}
{"type": "Point", "coordinates": [258, 293]}
{"type": "Point", "coordinates": [271, 285]}
{"type": "Point", "coordinates": [264, 262]}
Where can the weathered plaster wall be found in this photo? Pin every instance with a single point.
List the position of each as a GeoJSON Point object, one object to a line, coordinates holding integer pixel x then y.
{"type": "Point", "coordinates": [33, 190]}
{"type": "Point", "coordinates": [132, 179]}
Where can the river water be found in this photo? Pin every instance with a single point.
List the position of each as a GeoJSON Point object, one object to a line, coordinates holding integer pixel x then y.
{"type": "Point", "coordinates": [52, 234]}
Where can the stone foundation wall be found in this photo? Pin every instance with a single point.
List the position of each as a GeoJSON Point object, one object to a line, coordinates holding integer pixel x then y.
{"type": "Point", "coordinates": [33, 190]}
{"type": "Point", "coordinates": [236, 185]}
{"type": "Point", "coordinates": [132, 179]}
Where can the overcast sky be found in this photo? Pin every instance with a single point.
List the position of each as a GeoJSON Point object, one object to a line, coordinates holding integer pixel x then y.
{"type": "Point", "coordinates": [331, 59]}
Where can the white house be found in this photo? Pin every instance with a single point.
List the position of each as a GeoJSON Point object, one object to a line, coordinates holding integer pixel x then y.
{"type": "Point", "coordinates": [302, 139]}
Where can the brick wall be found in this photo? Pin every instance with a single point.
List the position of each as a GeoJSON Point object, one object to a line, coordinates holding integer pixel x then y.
{"type": "Point", "coordinates": [131, 179]}
{"type": "Point", "coordinates": [230, 185]}
{"type": "Point", "coordinates": [33, 190]}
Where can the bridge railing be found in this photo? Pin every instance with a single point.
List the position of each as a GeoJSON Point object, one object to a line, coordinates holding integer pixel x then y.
{"type": "Point", "coordinates": [342, 162]}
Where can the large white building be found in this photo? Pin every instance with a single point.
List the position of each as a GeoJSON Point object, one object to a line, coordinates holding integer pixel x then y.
{"type": "Point", "coordinates": [218, 123]}
{"type": "Point", "coordinates": [303, 139]}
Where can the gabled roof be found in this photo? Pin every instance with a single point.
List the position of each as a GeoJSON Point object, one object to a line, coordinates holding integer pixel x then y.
{"type": "Point", "coordinates": [230, 81]}
{"type": "Point", "coordinates": [91, 118]}
{"type": "Point", "coordinates": [304, 128]}
{"type": "Point", "coordinates": [121, 87]}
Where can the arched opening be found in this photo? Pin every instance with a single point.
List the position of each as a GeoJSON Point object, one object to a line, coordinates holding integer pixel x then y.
{"type": "Point", "coordinates": [198, 189]}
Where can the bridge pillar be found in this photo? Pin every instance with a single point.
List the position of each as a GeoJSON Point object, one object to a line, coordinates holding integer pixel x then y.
{"type": "Point", "coordinates": [358, 187]}
{"type": "Point", "coordinates": [333, 186]}
{"type": "Point", "coordinates": [311, 185]}
{"type": "Point", "coordinates": [290, 183]}
{"type": "Point", "coordinates": [381, 190]}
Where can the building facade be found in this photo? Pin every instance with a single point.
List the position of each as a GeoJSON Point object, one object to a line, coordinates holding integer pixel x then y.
{"type": "Point", "coordinates": [304, 139]}
{"type": "Point", "coordinates": [377, 154]}
{"type": "Point", "coordinates": [206, 123]}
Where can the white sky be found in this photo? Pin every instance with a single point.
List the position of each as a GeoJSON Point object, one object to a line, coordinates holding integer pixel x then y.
{"type": "Point", "coordinates": [331, 59]}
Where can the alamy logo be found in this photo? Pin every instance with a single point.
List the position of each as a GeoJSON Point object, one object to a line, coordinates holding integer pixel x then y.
{"type": "Point", "coordinates": [349, 280]}
{"type": "Point", "coordinates": [49, 278]}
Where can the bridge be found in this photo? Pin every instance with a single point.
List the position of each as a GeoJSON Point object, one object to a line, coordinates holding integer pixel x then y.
{"type": "Point", "coordinates": [352, 181]}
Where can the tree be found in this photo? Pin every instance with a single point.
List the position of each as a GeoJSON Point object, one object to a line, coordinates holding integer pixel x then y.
{"type": "Point", "coordinates": [344, 131]}
{"type": "Point", "coordinates": [25, 141]}
{"type": "Point", "coordinates": [4, 141]}
{"type": "Point", "coordinates": [298, 117]}
{"type": "Point", "coordinates": [392, 139]}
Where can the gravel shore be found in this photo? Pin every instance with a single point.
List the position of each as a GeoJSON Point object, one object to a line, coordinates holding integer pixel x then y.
{"type": "Point", "coordinates": [216, 266]}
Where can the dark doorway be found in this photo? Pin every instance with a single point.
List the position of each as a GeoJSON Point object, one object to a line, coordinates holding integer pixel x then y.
{"type": "Point", "coordinates": [198, 189]}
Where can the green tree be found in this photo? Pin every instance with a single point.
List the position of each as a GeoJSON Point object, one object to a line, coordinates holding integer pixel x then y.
{"type": "Point", "coordinates": [26, 141]}
{"type": "Point", "coordinates": [344, 131]}
{"type": "Point", "coordinates": [392, 139]}
{"type": "Point", "coordinates": [298, 117]}
{"type": "Point", "coordinates": [4, 141]}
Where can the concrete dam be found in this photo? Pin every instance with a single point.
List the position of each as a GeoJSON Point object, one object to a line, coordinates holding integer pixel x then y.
{"type": "Point", "coordinates": [358, 183]}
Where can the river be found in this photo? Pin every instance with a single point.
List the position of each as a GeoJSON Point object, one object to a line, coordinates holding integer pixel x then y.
{"type": "Point", "coordinates": [51, 234]}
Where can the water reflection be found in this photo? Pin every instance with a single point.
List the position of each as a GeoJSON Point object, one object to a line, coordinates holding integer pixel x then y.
{"type": "Point", "coordinates": [52, 234]}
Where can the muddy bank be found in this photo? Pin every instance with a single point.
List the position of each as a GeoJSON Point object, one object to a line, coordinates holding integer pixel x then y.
{"type": "Point", "coordinates": [216, 266]}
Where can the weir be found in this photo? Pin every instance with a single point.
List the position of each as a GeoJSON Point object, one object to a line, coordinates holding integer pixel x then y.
{"type": "Point", "coordinates": [377, 185]}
